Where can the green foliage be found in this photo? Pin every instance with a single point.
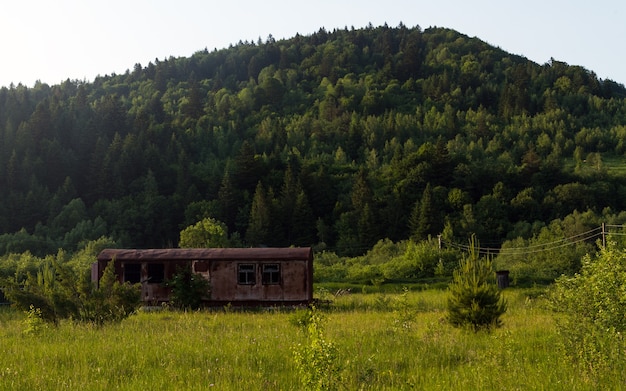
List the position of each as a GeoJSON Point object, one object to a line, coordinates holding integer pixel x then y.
{"type": "Point", "coordinates": [404, 313]}
{"type": "Point", "coordinates": [52, 291]}
{"type": "Point", "coordinates": [302, 317]}
{"type": "Point", "coordinates": [423, 216]}
{"type": "Point", "coordinates": [207, 233]}
{"type": "Point", "coordinates": [260, 224]}
{"type": "Point", "coordinates": [317, 359]}
{"type": "Point", "coordinates": [57, 293]}
{"type": "Point", "coordinates": [156, 347]}
{"type": "Point", "coordinates": [592, 304]}
{"type": "Point", "coordinates": [34, 323]}
{"type": "Point", "coordinates": [375, 132]}
{"type": "Point", "coordinates": [475, 301]}
{"type": "Point", "coordinates": [553, 250]}
{"type": "Point", "coordinates": [388, 261]}
{"type": "Point", "coordinates": [111, 301]}
{"type": "Point", "coordinates": [189, 289]}
{"type": "Point", "coordinates": [83, 258]}
{"type": "Point", "coordinates": [422, 259]}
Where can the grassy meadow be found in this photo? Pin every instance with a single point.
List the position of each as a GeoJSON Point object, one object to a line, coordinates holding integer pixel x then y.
{"type": "Point", "coordinates": [384, 341]}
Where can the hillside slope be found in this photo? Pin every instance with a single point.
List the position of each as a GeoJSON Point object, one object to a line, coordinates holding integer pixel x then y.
{"type": "Point", "coordinates": [341, 137]}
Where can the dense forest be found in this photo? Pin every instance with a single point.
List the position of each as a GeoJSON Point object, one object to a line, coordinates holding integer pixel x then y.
{"type": "Point", "coordinates": [336, 139]}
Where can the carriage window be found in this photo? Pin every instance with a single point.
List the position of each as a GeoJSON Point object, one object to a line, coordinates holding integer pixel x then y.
{"type": "Point", "coordinates": [132, 272]}
{"type": "Point", "coordinates": [271, 274]}
{"type": "Point", "coordinates": [156, 273]}
{"type": "Point", "coordinates": [246, 274]}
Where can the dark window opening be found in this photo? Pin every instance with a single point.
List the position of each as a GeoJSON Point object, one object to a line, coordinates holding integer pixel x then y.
{"type": "Point", "coordinates": [132, 272]}
{"type": "Point", "coordinates": [200, 267]}
{"type": "Point", "coordinates": [156, 273]}
{"type": "Point", "coordinates": [271, 274]}
{"type": "Point", "coordinates": [246, 274]}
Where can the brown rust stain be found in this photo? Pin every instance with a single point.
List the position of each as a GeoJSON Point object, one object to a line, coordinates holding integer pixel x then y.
{"type": "Point", "coordinates": [220, 267]}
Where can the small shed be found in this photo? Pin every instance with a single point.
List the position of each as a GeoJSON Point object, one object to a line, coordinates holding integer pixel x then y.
{"type": "Point", "coordinates": [239, 276]}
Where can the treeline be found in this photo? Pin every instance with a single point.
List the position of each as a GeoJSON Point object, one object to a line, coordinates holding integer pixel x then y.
{"type": "Point", "coordinates": [334, 139]}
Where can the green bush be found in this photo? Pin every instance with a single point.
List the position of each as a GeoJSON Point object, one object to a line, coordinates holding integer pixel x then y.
{"type": "Point", "coordinates": [475, 300]}
{"type": "Point", "coordinates": [548, 254]}
{"type": "Point", "coordinates": [34, 323]}
{"type": "Point", "coordinates": [111, 301]}
{"type": "Point", "coordinates": [420, 260]}
{"type": "Point", "coordinates": [301, 318]}
{"type": "Point", "coordinates": [189, 289]}
{"type": "Point", "coordinates": [56, 292]}
{"type": "Point", "coordinates": [388, 261]}
{"type": "Point", "coordinates": [317, 359]}
{"type": "Point", "coordinates": [592, 304]}
{"type": "Point", "coordinates": [52, 291]}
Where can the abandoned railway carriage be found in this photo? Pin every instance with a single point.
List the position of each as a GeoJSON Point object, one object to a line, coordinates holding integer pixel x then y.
{"type": "Point", "coordinates": [239, 276]}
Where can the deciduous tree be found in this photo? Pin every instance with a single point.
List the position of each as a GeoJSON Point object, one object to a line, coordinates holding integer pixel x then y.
{"type": "Point", "coordinates": [207, 233]}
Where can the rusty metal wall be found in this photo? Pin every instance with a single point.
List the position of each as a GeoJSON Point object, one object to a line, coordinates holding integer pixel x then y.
{"type": "Point", "coordinates": [294, 283]}
{"type": "Point", "coordinates": [296, 279]}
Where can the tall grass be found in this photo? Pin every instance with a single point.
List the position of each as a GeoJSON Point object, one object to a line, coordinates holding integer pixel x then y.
{"type": "Point", "coordinates": [384, 342]}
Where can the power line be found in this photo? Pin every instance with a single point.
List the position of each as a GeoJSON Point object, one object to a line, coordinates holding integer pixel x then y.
{"type": "Point", "coordinates": [543, 247]}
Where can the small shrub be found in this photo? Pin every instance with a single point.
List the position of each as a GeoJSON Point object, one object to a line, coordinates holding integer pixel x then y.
{"type": "Point", "coordinates": [317, 359]}
{"type": "Point", "coordinates": [52, 291]}
{"type": "Point", "coordinates": [301, 318]}
{"type": "Point", "coordinates": [475, 300]}
{"type": "Point", "coordinates": [189, 289]}
{"type": "Point", "coordinates": [323, 296]}
{"type": "Point", "coordinates": [57, 293]}
{"type": "Point", "coordinates": [404, 312]}
{"type": "Point", "coordinates": [34, 322]}
{"type": "Point", "coordinates": [111, 301]}
{"type": "Point", "coordinates": [592, 305]}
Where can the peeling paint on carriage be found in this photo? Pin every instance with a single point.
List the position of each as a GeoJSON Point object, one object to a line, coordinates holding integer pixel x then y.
{"type": "Point", "coordinates": [238, 276]}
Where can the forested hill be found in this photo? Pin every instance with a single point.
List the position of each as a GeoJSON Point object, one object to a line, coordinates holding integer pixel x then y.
{"type": "Point", "coordinates": [341, 137]}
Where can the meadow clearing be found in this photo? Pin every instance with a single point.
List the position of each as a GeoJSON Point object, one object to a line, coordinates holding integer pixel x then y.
{"type": "Point", "coordinates": [382, 341]}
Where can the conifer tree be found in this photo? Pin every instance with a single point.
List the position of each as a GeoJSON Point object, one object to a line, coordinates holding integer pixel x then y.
{"type": "Point", "coordinates": [302, 233]}
{"type": "Point", "coordinates": [260, 218]}
{"type": "Point", "coordinates": [422, 216]}
{"type": "Point", "coordinates": [227, 200]}
{"type": "Point", "coordinates": [475, 301]}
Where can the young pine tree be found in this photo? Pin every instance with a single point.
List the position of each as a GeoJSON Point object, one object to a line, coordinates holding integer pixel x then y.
{"type": "Point", "coordinates": [475, 301]}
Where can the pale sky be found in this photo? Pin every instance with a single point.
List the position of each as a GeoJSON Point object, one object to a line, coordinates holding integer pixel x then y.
{"type": "Point", "coordinates": [53, 40]}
